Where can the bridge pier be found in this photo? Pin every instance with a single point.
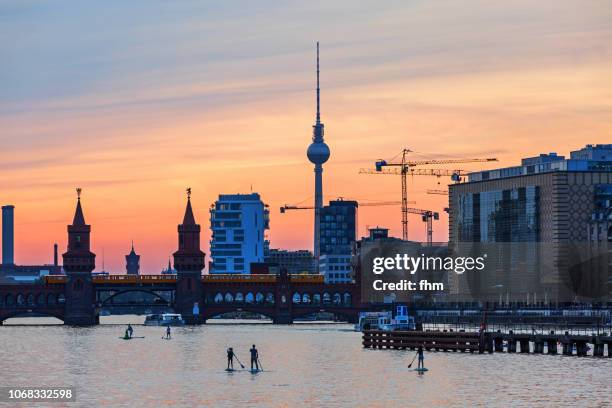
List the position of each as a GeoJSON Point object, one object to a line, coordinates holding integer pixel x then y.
{"type": "Point", "coordinates": [511, 342]}
{"type": "Point", "coordinates": [524, 345]}
{"type": "Point", "coordinates": [581, 348]}
{"type": "Point", "coordinates": [282, 319]}
{"type": "Point", "coordinates": [598, 348]}
{"type": "Point", "coordinates": [499, 344]}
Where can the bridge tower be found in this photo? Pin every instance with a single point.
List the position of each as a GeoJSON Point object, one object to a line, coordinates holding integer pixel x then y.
{"type": "Point", "coordinates": [189, 262]}
{"type": "Point", "coordinates": [79, 262]}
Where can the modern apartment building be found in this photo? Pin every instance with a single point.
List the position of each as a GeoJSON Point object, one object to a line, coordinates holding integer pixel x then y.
{"type": "Point", "coordinates": [238, 223]}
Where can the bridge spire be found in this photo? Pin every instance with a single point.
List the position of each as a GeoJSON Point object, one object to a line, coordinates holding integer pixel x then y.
{"type": "Point", "coordinates": [78, 219]}
{"type": "Point", "coordinates": [189, 262]}
{"type": "Point", "coordinates": [79, 262]}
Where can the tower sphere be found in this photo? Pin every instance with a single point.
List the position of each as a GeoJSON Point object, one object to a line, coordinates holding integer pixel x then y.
{"type": "Point", "coordinates": [318, 153]}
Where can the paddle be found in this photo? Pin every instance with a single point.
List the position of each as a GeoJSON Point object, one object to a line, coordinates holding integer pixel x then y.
{"type": "Point", "coordinates": [415, 356]}
{"type": "Point", "coordinates": [241, 365]}
{"type": "Point", "coordinates": [259, 363]}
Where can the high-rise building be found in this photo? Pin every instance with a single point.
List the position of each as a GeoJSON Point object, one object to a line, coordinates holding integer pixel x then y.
{"type": "Point", "coordinates": [338, 223]}
{"type": "Point", "coordinates": [238, 223]}
{"type": "Point", "coordinates": [318, 153]}
{"type": "Point", "coordinates": [8, 234]}
{"type": "Point", "coordinates": [132, 262]}
{"type": "Point", "coordinates": [549, 200]}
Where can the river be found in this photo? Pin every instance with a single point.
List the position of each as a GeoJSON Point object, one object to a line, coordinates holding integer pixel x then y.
{"type": "Point", "coordinates": [304, 365]}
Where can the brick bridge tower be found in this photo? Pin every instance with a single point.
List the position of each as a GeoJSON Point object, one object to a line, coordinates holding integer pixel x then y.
{"type": "Point", "coordinates": [79, 262]}
{"type": "Point", "coordinates": [189, 262]}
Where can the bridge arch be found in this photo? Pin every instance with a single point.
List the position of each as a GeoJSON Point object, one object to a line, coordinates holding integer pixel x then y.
{"type": "Point", "coordinates": [106, 301]}
{"type": "Point", "coordinates": [26, 313]}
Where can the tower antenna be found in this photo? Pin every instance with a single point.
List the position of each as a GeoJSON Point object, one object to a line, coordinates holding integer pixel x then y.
{"type": "Point", "coordinates": [318, 89]}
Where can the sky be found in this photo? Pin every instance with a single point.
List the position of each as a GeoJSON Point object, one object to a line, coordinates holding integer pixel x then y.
{"type": "Point", "coordinates": [135, 101]}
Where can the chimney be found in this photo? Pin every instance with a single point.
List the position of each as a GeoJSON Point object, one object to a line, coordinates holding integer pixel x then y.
{"type": "Point", "coordinates": [55, 254]}
{"type": "Point", "coordinates": [8, 235]}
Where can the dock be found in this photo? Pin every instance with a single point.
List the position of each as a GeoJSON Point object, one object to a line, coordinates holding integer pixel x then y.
{"type": "Point", "coordinates": [491, 342]}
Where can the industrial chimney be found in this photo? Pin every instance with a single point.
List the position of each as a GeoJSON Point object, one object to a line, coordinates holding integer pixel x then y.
{"type": "Point", "coordinates": [55, 254]}
{"type": "Point", "coordinates": [8, 235]}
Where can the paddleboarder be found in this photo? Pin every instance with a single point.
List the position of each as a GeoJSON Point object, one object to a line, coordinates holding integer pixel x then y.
{"type": "Point", "coordinates": [130, 330]}
{"type": "Point", "coordinates": [254, 358]}
{"type": "Point", "coordinates": [230, 358]}
{"type": "Point", "coordinates": [168, 335]}
{"type": "Point", "coordinates": [421, 364]}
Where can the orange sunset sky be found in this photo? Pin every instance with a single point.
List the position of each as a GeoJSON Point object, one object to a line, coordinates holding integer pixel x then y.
{"type": "Point", "coordinates": [135, 101]}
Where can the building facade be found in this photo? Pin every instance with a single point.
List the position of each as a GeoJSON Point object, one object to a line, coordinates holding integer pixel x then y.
{"type": "Point", "coordinates": [534, 217]}
{"type": "Point", "coordinates": [8, 234]}
{"type": "Point", "coordinates": [238, 223]}
{"type": "Point", "coordinates": [338, 226]}
{"type": "Point", "coordinates": [295, 262]}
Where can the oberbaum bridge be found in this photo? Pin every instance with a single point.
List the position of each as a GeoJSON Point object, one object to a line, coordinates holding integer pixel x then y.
{"type": "Point", "coordinates": [77, 297]}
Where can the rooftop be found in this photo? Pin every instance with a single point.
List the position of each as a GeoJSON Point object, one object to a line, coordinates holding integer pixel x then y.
{"type": "Point", "coordinates": [590, 158]}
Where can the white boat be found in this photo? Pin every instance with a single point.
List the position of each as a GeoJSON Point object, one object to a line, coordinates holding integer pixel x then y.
{"type": "Point", "coordinates": [165, 319]}
{"type": "Point", "coordinates": [385, 320]}
{"type": "Point", "coordinates": [372, 320]}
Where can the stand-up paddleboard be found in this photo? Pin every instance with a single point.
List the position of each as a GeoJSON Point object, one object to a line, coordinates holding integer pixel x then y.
{"type": "Point", "coordinates": [421, 370]}
{"type": "Point", "coordinates": [255, 371]}
{"type": "Point", "coordinates": [230, 370]}
{"type": "Point", "coordinates": [131, 338]}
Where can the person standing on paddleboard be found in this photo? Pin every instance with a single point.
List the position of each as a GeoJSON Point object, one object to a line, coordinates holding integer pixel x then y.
{"type": "Point", "coordinates": [130, 330]}
{"type": "Point", "coordinates": [421, 355]}
{"type": "Point", "coordinates": [168, 332]}
{"type": "Point", "coordinates": [254, 358]}
{"type": "Point", "coordinates": [230, 358]}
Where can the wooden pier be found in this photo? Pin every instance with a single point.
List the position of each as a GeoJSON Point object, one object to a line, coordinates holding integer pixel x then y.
{"type": "Point", "coordinates": [491, 342]}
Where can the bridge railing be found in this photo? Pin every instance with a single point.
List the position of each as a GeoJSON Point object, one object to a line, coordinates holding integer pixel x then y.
{"type": "Point", "coordinates": [135, 279]}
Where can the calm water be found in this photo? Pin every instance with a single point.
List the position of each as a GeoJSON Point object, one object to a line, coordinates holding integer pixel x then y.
{"type": "Point", "coordinates": [305, 365]}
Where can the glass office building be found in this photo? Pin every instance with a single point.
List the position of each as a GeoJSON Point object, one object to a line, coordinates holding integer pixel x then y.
{"type": "Point", "coordinates": [338, 226]}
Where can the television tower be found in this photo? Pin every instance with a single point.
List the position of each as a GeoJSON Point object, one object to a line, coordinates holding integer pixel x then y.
{"type": "Point", "coordinates": [318, 153]}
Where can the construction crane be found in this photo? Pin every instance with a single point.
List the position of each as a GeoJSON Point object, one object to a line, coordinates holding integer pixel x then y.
{"type": "Point", "coordinates": [428, 217]}
{"type": "Point", "coordinates": [405, 167]}
{"type": "Point", "coordinates": [287, 207]}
